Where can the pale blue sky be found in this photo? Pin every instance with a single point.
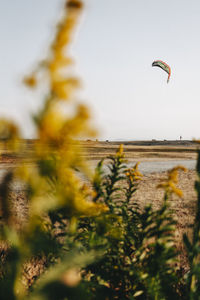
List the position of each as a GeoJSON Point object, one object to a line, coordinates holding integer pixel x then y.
{"type": "Point", "coordinates": [116, 44]}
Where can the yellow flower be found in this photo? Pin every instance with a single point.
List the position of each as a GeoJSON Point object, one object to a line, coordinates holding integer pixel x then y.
{"type": "Point", "coordinates": [57, 130]}
{"type": "Point", "coordinates": [51, 126]}
{"type": "Point", "coordinates": [74, 4]}
{"type": "Point", "coordinates": [169, 184]}
{"type": "Point", "coordinates": [133, 174]}
{"type": "Point", "coordinates": [9, 134]}
{"type": "Point", "coordinates": [120, 152]}
{"type": "Point", "coordinates": [30, 81]}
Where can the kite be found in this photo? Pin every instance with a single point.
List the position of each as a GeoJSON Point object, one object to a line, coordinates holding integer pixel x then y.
{"type": "Point", "coordinates": [164, 66]}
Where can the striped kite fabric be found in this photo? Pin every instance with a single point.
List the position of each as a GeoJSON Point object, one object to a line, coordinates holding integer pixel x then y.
{"type": "Point", "coordinates": [161, 64]}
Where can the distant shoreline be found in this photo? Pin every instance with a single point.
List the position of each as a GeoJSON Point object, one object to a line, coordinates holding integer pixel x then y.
{"type": "Point", "coordinates": [152, 142]}
{"type": "Point", "coordinates": [142, 150]}
{"type": "Point", "coordinates": [94, 150]}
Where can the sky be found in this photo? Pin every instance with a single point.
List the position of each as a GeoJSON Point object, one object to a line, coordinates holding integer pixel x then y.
{"type": "Point", "coordinates": [114, 47]}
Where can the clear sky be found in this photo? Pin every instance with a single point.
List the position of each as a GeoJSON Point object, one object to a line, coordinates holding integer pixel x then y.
{"type": "Point", "coordinates": [116, 44]}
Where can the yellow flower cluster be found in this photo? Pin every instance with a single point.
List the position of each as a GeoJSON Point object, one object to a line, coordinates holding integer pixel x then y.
{"type": "Point", "coordinates": [54, 127]}
{"type": "Point", "coordinates": [8, 130]}
{"type": "Point", "coordinates": [74, 4]}
{"type": "Point", "coordinates": [30, 80]}
{"type": "Point", "coordinates": [170, 183]}
{"type": "Point", "coordinates": [120, 151]}
{"type": "Point", "coordinates": [62, 86]}
{"type": "Point", "coordinates": [133, 173]}
{"type": "Point", "coordinates": [60, 123]}
{"type": "Point", "coordinates": [53, 178]}
{"type": "Point", "coordinates": [9, 135]}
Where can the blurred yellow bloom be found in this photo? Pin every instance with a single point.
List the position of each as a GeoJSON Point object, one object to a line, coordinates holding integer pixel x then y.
{"type": "Point", "coordinates": [8, 130]}
{"type": "Point", "coordinates": [51, 125]}
{"type": "Point", "coordinates": [30, 81]}
{"type": "Point", "coordinates": [56, 150]}
{"type": "Point", "coordinates": [169, 184]}
{"type": "Point", "coordinates": [133, 174]}
{"type": "Point", "coordinates": [71, 4]}
{"type": "Point", "coordinates": [64, 88]}
{"type": "Point", "coordinates": [120, 152]}
{"type": "Point", "coordinates": [83, 112]}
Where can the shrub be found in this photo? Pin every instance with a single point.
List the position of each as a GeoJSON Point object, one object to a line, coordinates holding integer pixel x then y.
{"type": "Point", "coordinates": [139, 253]}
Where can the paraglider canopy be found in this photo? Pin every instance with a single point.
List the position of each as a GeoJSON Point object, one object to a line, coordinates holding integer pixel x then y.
{"type": "Point", "coordinates": [161, 64]}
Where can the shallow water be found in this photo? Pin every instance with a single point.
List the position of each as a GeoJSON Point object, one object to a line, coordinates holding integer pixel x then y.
{"type": "Point", "coordinates": [147, 167]}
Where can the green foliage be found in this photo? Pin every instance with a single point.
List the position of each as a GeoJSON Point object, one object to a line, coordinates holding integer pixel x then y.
{"type": "Point", "coordinates": [139, 252]}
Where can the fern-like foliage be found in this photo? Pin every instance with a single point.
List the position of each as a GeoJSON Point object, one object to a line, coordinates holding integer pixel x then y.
{"type": "Point", "coordinates": [139, 252]}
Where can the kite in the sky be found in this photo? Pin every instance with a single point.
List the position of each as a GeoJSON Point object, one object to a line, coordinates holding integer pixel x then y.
{"type": "Point", "coordinates": [164, 66]}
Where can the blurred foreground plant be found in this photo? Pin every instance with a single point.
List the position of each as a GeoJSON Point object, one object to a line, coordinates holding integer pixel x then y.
{"type": "Point", "coordinates": [54, 191]}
